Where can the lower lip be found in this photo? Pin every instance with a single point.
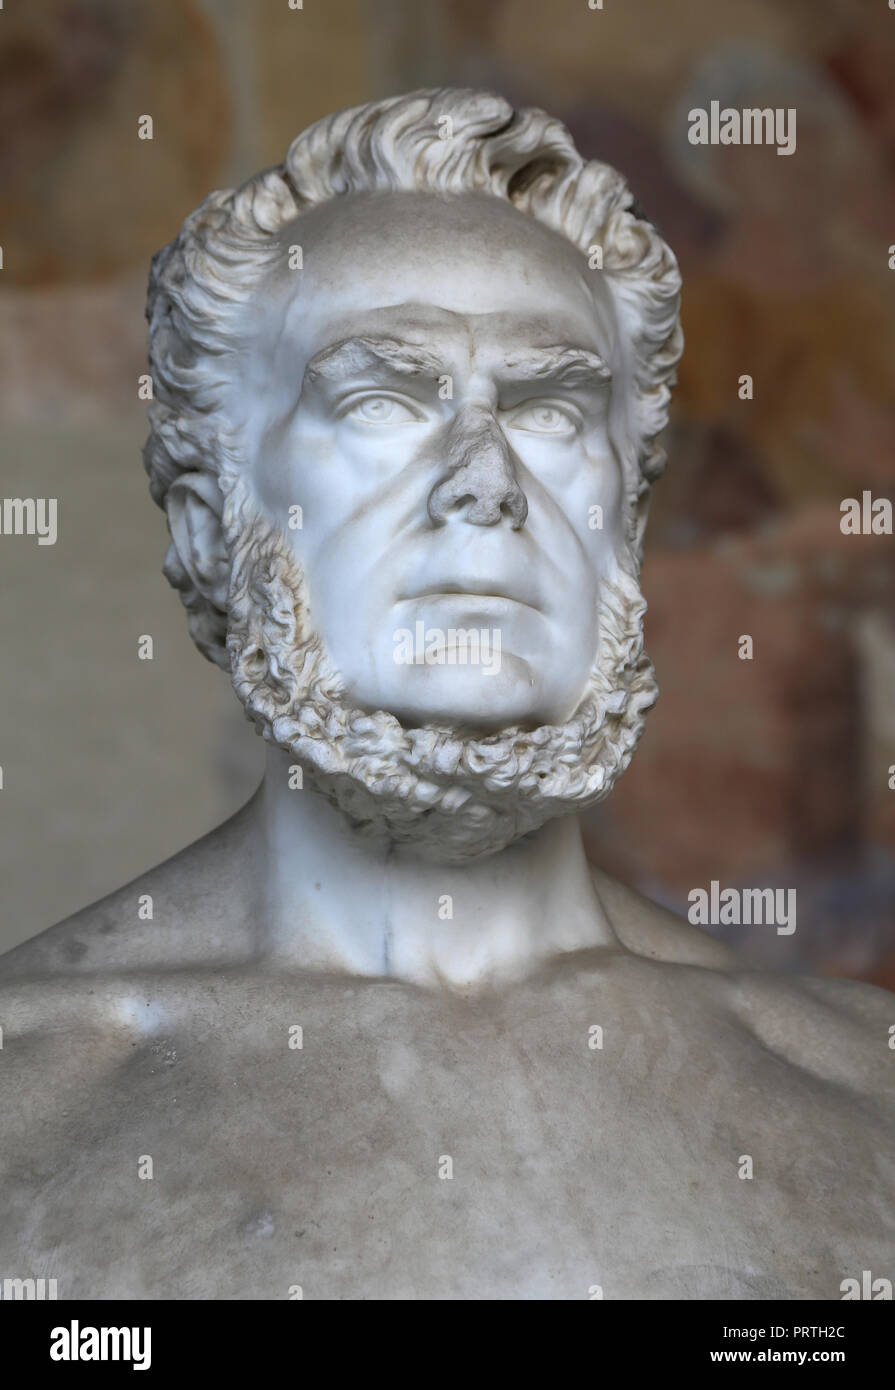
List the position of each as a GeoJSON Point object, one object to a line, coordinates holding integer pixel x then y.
{"type": "Point", "coordinates": [470, 600]}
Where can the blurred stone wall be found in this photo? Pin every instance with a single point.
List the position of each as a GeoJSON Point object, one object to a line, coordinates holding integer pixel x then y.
{"type": "Point", "coordinates": [769, 772]}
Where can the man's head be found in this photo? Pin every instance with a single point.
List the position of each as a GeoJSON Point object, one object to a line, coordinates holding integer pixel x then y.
{"type": "Point", "coordinates": [405, 422]}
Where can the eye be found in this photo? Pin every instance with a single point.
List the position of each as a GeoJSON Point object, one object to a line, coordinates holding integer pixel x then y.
{"type": "Point", "coordinates": [381, 410]}
{"type": "Point", "coordinates": [543, 417]}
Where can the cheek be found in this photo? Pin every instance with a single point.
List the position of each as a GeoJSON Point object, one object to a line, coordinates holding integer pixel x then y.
{"type": "Point", "coordinates": [603, 510]}
{"type": "Point", "coordinates": [606, 512]}
{"type": "Point", "coordinates": [338, 472]}
{"type": "Point", "coordinates": [586, 487]}
{"type": "Point", "coordinates": [307, 470]}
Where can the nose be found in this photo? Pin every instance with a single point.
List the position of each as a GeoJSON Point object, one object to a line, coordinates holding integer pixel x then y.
{"type": "Point", "coordinates": [481, 481]}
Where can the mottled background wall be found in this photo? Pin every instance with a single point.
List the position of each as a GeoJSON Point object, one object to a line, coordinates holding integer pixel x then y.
{"type": "Point", "coordinates": [769, 772]}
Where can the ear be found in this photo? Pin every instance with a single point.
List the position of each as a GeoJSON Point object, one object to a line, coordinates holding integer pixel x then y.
{"type": "Point", "coordinates": [195, 506]}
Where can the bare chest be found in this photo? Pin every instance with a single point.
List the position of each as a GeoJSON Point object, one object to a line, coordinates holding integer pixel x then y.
{"type": "Point", "coordinates": [355, 1146]}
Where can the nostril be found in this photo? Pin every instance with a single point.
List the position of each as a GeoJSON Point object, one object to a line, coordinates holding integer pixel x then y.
{"type": "Point", "coordinates": [516, 508]}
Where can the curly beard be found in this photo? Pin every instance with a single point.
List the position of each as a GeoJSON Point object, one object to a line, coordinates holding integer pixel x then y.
{"type": "Point", "coordinates": [450, 797]}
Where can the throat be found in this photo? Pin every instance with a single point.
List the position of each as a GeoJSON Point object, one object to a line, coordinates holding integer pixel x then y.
{"type": "Point", "coordinates": [336, 900]}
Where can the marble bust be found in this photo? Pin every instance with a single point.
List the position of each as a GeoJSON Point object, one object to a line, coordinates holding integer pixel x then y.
{"type": "Point", "coordinates": [386, 1033]}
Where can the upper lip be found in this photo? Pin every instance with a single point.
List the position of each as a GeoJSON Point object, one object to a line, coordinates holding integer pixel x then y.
{"type": "Point", "coordinates": [481, 588]}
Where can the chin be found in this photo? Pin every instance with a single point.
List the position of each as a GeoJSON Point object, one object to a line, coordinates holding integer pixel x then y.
{"type": "Point", "coordinates": [454, 697]}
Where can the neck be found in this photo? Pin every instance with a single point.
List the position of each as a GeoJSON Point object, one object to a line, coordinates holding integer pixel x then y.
{"type": "Point", "coordinates": [337, 900]}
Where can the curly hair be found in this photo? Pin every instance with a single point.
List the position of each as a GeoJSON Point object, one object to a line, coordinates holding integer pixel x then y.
{"type": "Point", "coordinates": [446, 141]}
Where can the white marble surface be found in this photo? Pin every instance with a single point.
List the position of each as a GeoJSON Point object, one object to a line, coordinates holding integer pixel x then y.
{"type": "Point", "coordinates": [516, 1078]}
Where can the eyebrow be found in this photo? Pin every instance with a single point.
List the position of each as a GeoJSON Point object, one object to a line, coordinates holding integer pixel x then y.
{"type": "Point", "coordinates": [352, 355]}
{"type": "Point", "coordinates": [567, 366]}
{"type": "Point", "coordinates": [570, 366]}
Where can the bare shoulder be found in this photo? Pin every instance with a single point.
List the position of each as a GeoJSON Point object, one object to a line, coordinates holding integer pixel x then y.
{"type": "Point", "coordinates": [838, 1029]}
{"type": "Point", "coordinates": [193, 908]}
{"type": "Point", "coordinates": [648, 930]}
{"type": "Point", "coordinates": [841, 1030]}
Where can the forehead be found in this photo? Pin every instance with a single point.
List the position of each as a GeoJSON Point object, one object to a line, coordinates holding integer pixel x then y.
{"type": "Point", "coordinates": [468, 272]}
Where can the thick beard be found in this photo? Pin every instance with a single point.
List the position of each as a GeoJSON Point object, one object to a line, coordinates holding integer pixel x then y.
{"type": "Point", "coordinates": [450, 797]}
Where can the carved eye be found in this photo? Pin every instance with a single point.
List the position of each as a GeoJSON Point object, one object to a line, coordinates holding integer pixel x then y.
{"type": "Point", "coordinates": [381, 410]}
{"type": "Point", "coordinates": [543, 418]}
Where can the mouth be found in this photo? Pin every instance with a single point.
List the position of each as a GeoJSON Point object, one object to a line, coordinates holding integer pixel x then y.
{"type": "Point", "coordinates": [471, 590]}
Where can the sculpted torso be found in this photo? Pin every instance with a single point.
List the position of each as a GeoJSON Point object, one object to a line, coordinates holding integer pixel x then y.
{"type": "Point", "coordinates": [406, 480]}
{"type": "Point", "coordinates": [572, 1166]}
